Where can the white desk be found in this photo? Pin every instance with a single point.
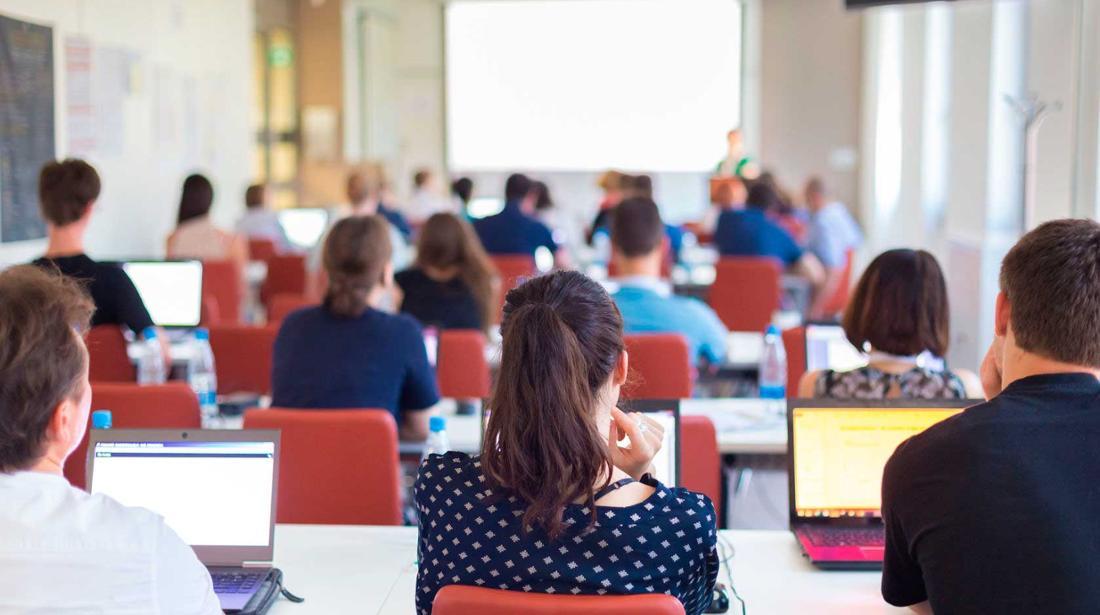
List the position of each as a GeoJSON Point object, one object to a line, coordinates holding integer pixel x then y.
{"type": "Point", "coordinates": [345, 569]}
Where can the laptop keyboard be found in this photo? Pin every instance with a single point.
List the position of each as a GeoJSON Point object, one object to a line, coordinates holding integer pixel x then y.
{"type": "Point", "coordinates": [237, 581]}
{"type": "Point", "coordinates": [845, 536]}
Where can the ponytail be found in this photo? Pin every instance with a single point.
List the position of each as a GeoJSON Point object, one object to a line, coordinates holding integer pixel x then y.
{"type": "Point", "coordinates": [355, 256]}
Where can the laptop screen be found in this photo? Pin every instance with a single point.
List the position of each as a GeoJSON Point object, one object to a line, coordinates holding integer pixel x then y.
{"type": "Point", "coordinates": [170, 290]}
{"type": "Point", "coordinates": [827, 347]}
{"type": "Point", "coordinates": [304, 226]}
{"type": "Point", "coordinates": [210, 493]}
{"type": "Point", "coordinates": [838, 455]}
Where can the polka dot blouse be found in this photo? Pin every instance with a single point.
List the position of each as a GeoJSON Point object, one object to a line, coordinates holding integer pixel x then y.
{"type": "Point", "coordinates": [471, 536]}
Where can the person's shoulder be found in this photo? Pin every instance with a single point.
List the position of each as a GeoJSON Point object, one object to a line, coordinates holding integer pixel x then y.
{"type": "Point", "coordinates": [445, 467]}
{"type": "Point", "coordinates": [950, 434]}
{"type": "Point", "coordinates": [692, 510]}
{"type": "Point", "coordinates": [411, 275]}
{"type": "Point", "coordinates": [123, 523]}
{"type": "Point", "coordinates": [400, 324]}
{"type": "Point", "coordinates": [302, 317]}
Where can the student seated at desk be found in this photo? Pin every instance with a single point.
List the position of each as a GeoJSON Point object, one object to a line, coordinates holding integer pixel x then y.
{"type": "Point", "coordinates": [452, 284]}
{"type": "Point", "coordinates": [644, 299]}
{"type": "Point", "coordinates": [61, 549]}
{"type": "Point", "coordinates": [260, 221]}
{"type": "Point", "coordinates": [554, 503]}
{"type": "Point", "coordinates": [346, 353]}
{"type": "Point", "coordinates": [515, 231]}
{"type": "Point", "coordinates": [196, 236]}
{"type": "Point", "coordinates": [899, 313]}
{"type": "Point", "coordinates": [995, 510]}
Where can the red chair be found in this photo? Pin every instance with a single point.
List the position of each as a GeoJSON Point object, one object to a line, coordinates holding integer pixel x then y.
{"type": "Point", "coordinates": [221, 281]}
{"type": "Point", "coordinates": [512, 270]}
{"type": "Point", "coordinates": [746, 292]}
{"type": "Point", "coordinates": [839, 301]}
{"type": "Point", "coordinates": [336, 467]}
{"type": "Point", "coordinates": [210, 314]}
{"type": "Point", "coordinates": [660, 366]}
{"type": "Point", "coordinates": [469, 600]}
{"type": "Point", "coordinates": [285, 274]}
{"type": "Point", "coordinates": [283, 304]}
{"type": "Point", "coordinates": [700, 462]}
{"type": "Point", "coordinates": [261, 249]}
{"type": "Point", "coordinates": [162, 406]}
{"type": "Point", "coordinates": [242, 357]}
{"type": "Point", "coordinates": [108, 360]}
{"type": "Point", "coordinates": [794, 343]}
{"type": "Point", "coordinates": [461, 369]}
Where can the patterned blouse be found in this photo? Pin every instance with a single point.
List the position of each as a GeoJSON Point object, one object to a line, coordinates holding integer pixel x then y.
{"type": "Point", "coordinates": [872, 383]}
{"type": "Point", "coordinates": [470, 535]}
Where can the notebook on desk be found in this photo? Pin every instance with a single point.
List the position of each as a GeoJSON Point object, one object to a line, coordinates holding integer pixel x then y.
{"type": "Point", "coordinates": [216, 489]}
{"type": "Point", "coordinates": [836, 454]}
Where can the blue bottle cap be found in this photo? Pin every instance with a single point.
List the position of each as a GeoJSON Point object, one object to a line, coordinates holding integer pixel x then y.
{"type": "Point", "coordinates": [101, 419]}
{"type": "Point", "coordinates": [772, 330]}
{"type": "Point", "coordinates": [437, 423]}
{"type": "Point", "coordinates": [202, 334]}
{"type": "Point", "coordinates": [149, 333]}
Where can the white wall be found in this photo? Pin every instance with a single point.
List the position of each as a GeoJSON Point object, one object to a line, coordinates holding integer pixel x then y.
{"type": "Point", "coordinates": [202, 49]}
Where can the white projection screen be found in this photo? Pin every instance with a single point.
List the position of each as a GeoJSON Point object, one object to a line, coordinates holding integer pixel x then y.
{"type": "Point", "coordinates": [584, 85]}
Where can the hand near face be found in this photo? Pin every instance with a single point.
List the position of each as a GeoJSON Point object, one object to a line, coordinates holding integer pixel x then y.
{"type": "Point", "coordinates": [646, 436]}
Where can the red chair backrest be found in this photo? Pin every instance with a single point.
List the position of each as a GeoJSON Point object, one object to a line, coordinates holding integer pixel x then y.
{"type": "Point", "coordinates": [242, 357]}
{"type": "Point", "coordinates": [794, 343]}
{"type": "Point", "coordinates": [163, 406]}
{"type": "Point", "coordinates": [261, 249]}
{"type": "Point", "coordinates": [660, 366]}
{"type": "Point", "coordinates": [461, 368]}
{"type": "Point", "coordinates": [511, 268]}
{"type": "Point", "coordinates": [700, 462]}
{"type": "Point", "coordinates": [746, 292]}
{"type": "Point", "coordinates": [221, 281]}
{"type": "Point", "coordinates": [469, 600]}
{"type": "Point", "coordinates": [336, 467]}
{"type": "Point", "coordinates": [839, 301]}
{"type": "Point", "coordinates": [285, 274]}
{"type": "Point", "coordinates": [283, 304]}
{"type": "Point", "coordinates": [107, 357]}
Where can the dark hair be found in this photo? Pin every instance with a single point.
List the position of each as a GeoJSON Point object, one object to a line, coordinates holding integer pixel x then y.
{"type": "Point", "coordinates": [762, 195]}
{"type": "Point", "coordinates": [815, 185]}
{"type": "Point", "coordinates": [446, 241]}
{"type": "Point", "coordinates": [42, 358]}
{"type": "Point", "coordinates": [1051, 278]}
{"type": "Point", "coordinates": [421, 177]}
{"type": "Point", "coordinates": [196, 198]}
{"type": "Point", "coordinates": [355, 256]}
{"type": "Point", "coordinates": [66, 189]}
{"type": "Point", "coordinates": [517, 187]}
{"type": "Point", "coordinates": [562, 340]}
{"type": "Point", "coordinates": [254, 196]}
{"type": "Point", "coordinates": [636, 227]}
{"type": "Point", "coordinates": [463, 188]}
{"type": "Point", "coordinates": [542, 195]}
{"type": "Point", "coordinates": [900, 305]}
{"type": "Point", "coordinates": [638, 186]}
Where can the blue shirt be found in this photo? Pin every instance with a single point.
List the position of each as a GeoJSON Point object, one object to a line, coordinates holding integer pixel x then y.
{"type": "Point", "coordinates": [395, 219]}
{"type": "Point", "coordinates": [749, 232]}
{"type": "Point", "coordinates": [833, 232]}
{"type": "Point", "coordinates": [376, 360]}
{"type": "Point", "coordinates": [514, 232]}
{"type": "Point", "coordinates": [648, 306]}
{"type": "Point", "coordinates": [471, 535]}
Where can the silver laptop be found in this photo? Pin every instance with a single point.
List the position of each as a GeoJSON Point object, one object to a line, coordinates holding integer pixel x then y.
{"type": "Point", "coordinates": [216, 489]}
{"type": "Point", "coordinates": [827, 347]}
{"type": "Point", "coordinates": [304, 226]}
{"type": "Point", "coordinates": [170, 290]}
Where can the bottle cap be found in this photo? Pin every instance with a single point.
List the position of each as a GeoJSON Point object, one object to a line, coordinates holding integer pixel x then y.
{"type": "Point", "coordinates": [101, 419]}
{"type": "Point", "coordinates": [437, 423]}
{"type": "Point", "coordinates": [202, 334]}
{"type": "Point", "coordinates": [771, 330]}
{"type": "Point", "coordinates": [149, 333]}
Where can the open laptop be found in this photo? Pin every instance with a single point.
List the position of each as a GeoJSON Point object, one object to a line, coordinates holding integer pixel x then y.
{"type": "Point", "coordinates": [216, 489]}
{"type": "Point", "coordinates": [170, 290]}
{"type": "Point", "coordinates": [827, 347]}
{"type": "Point", "coordinates": [304, 226]}
{"type": "Point", "coordinates": [836, 454]}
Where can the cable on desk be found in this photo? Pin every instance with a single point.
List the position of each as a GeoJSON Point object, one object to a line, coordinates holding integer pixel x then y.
{"type": "Point", "coordinates": [393, 586]}
{"type": "Point", "coordinates": [726, 562]}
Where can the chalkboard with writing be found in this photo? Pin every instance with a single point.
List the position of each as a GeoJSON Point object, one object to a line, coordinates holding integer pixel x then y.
{"type": "Point", "coordinates": [26, 124]}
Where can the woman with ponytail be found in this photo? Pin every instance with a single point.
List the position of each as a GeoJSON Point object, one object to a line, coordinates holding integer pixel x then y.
{"type": "Point", "coordinates": [555, 503]}
{"type": "Point", "coordinates": [346, 353]}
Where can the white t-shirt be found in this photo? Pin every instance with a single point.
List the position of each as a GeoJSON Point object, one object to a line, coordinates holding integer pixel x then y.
{"type": "Point", "coordinates": [65, 551]}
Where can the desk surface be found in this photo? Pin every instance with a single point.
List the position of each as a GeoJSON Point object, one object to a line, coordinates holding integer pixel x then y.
{"type": "Point", "coordinates": [342, 569]}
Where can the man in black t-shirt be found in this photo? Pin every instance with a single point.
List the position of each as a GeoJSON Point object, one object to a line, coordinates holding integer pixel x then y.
{"type": "Point", "coordinates": [67, 191]}
{"type": "Point", "coordinates": [997, 509]}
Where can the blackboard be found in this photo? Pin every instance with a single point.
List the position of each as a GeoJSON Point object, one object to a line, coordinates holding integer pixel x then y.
{"type": "Point", "coordinates": [26, 124]}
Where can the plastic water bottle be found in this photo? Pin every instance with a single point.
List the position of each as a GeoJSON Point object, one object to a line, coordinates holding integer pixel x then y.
{"type": "Point", "coordinates": [773, 371]}
{"type": "Point", "coordinates": [150, 359]}
{"type": "Point", "coordinates": [101, 419]}
{"type": "Point", "coordinates": [437, 438]}
{"type": "Point", "coordinates": [201, 375]}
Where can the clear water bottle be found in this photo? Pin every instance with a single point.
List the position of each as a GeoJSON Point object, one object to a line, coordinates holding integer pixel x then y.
{"type": "Point", "coordinates": [437, 438]}
{"type": "Point", "coordinates": [101, 419]}
{"type": "Point", "coordinates": [201, 375]}
{"type": "Point", "coordinates": [151, 359]}
{"type": "Point", "coordinates": [773, 371]}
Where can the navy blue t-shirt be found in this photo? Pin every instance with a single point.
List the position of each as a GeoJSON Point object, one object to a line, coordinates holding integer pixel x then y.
{"type": "Point", "coordinates": [514, 232]}
{"type": "Point", "coordinates": [749, 232]}
{"type": "Point", "coordinates": [376, 360]}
